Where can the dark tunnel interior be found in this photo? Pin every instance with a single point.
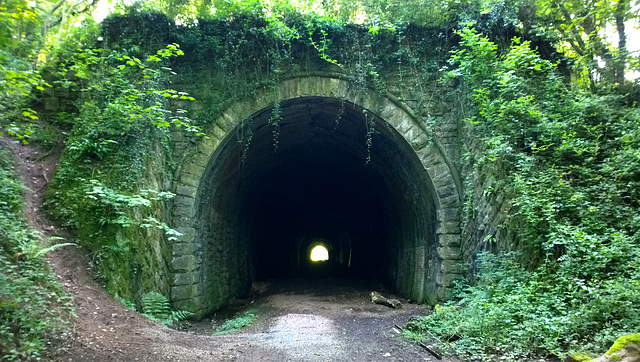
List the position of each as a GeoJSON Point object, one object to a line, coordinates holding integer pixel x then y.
{"type": "Point", "coordinates": [317, 188]}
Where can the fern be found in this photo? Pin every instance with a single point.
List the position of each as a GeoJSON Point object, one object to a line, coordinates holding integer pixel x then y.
{"type": "Point", "coordinates": [35, 249]}
{"type": "Point", "coordinates": [239, 321]}
{"type": "Point", "coordinates": [180, 315]}
{"type": "Point", "coordinates": [156, 307]}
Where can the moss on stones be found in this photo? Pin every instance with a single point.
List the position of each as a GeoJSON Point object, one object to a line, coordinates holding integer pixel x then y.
{"type": "Point", "coordinates": [622, 342]}
{"type": "Point", "coordinates": [579, 357]}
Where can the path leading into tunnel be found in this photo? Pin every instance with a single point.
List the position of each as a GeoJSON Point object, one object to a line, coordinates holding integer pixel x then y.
{"type": "Point", "coordinates": [321, 320]}
{"type": "Point", "coordinates": [330, 320]}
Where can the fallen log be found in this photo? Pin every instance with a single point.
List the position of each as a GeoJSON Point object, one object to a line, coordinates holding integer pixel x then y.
{"type": "Point", "coordinates": [377, 298]}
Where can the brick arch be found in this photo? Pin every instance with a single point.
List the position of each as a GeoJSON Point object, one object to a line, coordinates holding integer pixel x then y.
{"type": "Point", "coordinates": [186, 291]}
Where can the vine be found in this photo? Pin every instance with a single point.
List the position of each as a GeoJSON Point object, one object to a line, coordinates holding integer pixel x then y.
{"type": "Point", "coordinates": [274, 121]}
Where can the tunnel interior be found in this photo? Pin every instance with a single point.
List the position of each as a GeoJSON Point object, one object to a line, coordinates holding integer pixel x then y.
{"type": "Point", "coordinates": [263, 209]}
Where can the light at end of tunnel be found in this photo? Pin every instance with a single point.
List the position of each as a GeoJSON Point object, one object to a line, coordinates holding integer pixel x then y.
{"type": "Point", "coordinates": [319, 253]}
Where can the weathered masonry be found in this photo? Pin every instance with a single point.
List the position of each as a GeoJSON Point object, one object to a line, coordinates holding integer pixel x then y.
{"type": "Point", "coordinates": [364, 163]}
{"type": "Point", "coordinates": [395, 218]}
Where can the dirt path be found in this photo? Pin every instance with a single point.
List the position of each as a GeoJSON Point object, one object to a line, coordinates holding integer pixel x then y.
{"type": "Point", "coordinates": [298, 320]}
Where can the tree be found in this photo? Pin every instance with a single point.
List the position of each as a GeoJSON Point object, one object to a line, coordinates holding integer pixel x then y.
{"type": "Point", "coordinates": [28, 29]}
{"type": "Point", "coordinates": [584, 28]}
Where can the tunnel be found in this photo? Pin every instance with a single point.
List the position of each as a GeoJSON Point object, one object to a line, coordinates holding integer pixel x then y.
{"type": "Point", "coordinates": [329, 174]}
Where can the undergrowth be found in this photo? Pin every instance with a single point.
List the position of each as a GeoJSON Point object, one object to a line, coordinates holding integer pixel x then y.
{"type": "Point", "coordinates": [156, 306]}
{"type": "Point", "coordinates": [239, 321]}
{"type": "Point", "coordinates": [569, 164]}
{"type": "Point", "coordinates": [109, 185]}
{"type": "Point", "coordinates": [34, 308]}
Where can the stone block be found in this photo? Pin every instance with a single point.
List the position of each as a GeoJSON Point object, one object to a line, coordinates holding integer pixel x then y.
{"type": "Point", "coordinates": [303, 87]}
{"type": "Point", "coordinates": [186, 248]}
{"type": "Point", "coordinates": [449, 252]}
{"type": "Point", "coordinates": [452, 240]}
{"type": "Point", "coordinates": [61, 92]}
{"type": "Point", "coordinates": [207, 146]}
{"type": "Point", "coordinates": [448, 214]}
{"type": "Point", "coordinates": [190, 180]}
{"type": "Point", "coordinates": [403, 124]}
{"type": "Point", "coordinates": [219, 134]}
{"type": "Point", "coordinates": [448, 279]}
{"type": "Point", "coordinates": [184, 292]}
{"type": "Point", "coordinates": [184, 279]}
{"type": "Point", "coordinates": [448, 227]}
{"type": "Point", "coordinates": [449, 201]}
{"type": "Point", "coordinates": [190, 305]}
{"type": "Point", "coordinates": [335, 87]}
{"type": "Point", "coordinates": [184, 201]}
{"type": "Point", "coordinates": [432, 155]}
{"type": "Point", "coordinates": [449, 190]}
{"type": "Point", "coordinates": [444, 294]}
{"type": "Point", "coordinates": [186, 190]}
{"type": "Point", "coordinates": [451, 267]}
{"type": "Point", "coordinates": [184, 263]}
{"type": "Point", "coordinates": [193, 169]}
{"type": "Point", "coordinates": [184, 213]}
{"type": "Point", "coordinates": [412, 132]}
{"type": "Point", "coordinates": [51, 104]}
{"type": "Point", "coordinates": [188, 234]}
{"type": "Point", "coordinates": [438, 170]}
{"type": "Point", "coordinates": [389, 112]}
{"type": "Point", "coordinates": [420, 141]}
{"type": "Point", "coordinates": [442, 180]}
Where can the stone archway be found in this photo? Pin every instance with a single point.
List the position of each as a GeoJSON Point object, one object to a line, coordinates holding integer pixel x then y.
{"type": "Point", "coordinates": [400, 211]}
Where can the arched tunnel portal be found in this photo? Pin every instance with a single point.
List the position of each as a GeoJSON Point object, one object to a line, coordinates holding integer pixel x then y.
{"type": "Point", "coordinates": [254, 200]}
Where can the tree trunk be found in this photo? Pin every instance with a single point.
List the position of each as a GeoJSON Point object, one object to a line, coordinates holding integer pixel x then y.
{"type": "Point", "coordinates": [621, 59]}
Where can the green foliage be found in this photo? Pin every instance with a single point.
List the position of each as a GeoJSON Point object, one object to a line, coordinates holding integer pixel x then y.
{"type": "Point", "coordinates": [119, 133]}
{"type": "Point", "coordinates": [28, 31]}
{"type": "Point", "coordinates": [582, 357]}
{"type": "Point", "coordinates": [33, 306]}
{"type": "Point", "coordinates": [564, 162]}
{"type": "Point", "coordinates": [156, 306]}
{"type": "Point", "coordinates": [583, 30]}
{"type": "Point", "coordinates": [121, 98]}
{"type": "Point", "coordinates": [517, 313]}
{"type": "Point", "coordinates": [238, 322]}
{"type": "Point", "coordinates": [17, 82]}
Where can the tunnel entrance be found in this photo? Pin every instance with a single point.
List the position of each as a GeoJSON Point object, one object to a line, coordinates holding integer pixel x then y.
{"type": "Point", "coordinates": [338, 178]}
{"type": "Point", "coordinates": [368, 186]}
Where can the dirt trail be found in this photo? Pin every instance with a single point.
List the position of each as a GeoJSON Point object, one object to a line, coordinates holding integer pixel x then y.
{"type": "Point", "coordinates": [298, 320]}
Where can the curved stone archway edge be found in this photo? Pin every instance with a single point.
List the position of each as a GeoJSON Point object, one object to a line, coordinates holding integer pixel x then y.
{"type": "Point", "coordinates": [443, 176]}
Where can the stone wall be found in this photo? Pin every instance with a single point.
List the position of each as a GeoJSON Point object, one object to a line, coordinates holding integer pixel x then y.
{"type": "Point", "coordinates": [487, 226]}
{"type": "Point", "coordinates": [424, 268]}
